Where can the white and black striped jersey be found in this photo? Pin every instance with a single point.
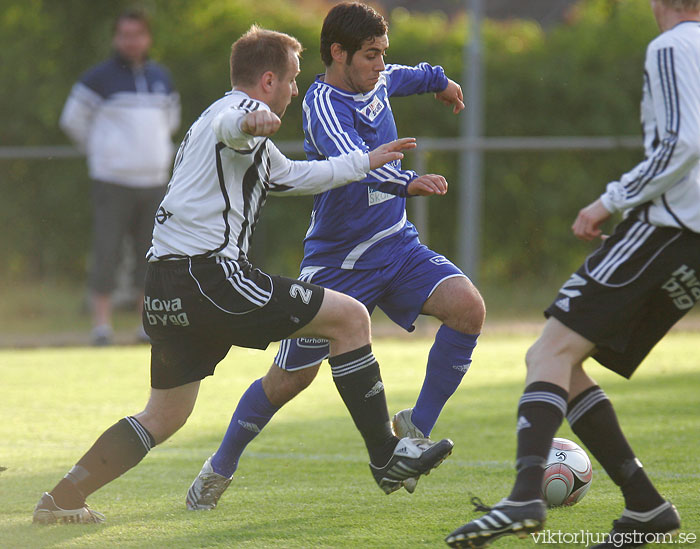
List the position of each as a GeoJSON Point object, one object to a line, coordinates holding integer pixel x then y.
{"type": "Point", "coordinates": [221, 179]}
{"type": "Point", "coordinates": [664, 189]}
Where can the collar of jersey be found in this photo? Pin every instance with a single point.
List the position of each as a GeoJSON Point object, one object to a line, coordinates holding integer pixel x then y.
{"type": "Point", "coordinates": [246, 96]}
{"type": "Point", "coordinates": [684, 22]}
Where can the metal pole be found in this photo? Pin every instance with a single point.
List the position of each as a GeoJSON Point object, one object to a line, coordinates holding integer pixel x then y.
{"type": "Point", "coordinates": [419, 204]}
{"type": "Point", "coordinates": [470, 164]}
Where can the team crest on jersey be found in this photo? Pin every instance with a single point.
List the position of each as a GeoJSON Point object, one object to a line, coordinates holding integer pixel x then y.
{"type": "Point", "coordinates": [377, 197]}
{"type": "Point", "coordinates": [162, 215]}
{"type": "Point", "coordinates": [372, 110]}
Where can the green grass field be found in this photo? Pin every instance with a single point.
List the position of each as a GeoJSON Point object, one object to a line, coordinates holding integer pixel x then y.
{"type": "Point", "coordinates": [305, 482]}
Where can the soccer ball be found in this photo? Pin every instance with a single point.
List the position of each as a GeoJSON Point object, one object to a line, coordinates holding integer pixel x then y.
{"type": "Point", "coordinates": [567, 475]}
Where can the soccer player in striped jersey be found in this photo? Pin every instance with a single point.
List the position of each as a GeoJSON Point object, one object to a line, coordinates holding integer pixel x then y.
{"type": "Point", "coordinates": [202, 295]}
{"type": "Point", "coordinates": [359, 241]}
{"type": "Point", "coordinates": [620, 303]}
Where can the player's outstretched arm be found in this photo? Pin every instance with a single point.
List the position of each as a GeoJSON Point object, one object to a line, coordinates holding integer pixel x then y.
{"type": "Point", "coordinates": [315, 176]}
{"type": "Point", "coordinates": [390, 152]}
{"type": "Point", "coordinates": [428, 184]}
{"type": "Point", "coordinates": [452, 96]}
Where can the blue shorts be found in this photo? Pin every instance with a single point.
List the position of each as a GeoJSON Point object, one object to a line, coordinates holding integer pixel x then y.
{"type": "Point", "coordinates": [399, 289]}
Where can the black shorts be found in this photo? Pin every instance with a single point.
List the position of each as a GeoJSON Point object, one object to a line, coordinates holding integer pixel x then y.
{"type": "Point", "coordinates": [631, 291]}
{"type": "Point", "coordinates": [195, 310]}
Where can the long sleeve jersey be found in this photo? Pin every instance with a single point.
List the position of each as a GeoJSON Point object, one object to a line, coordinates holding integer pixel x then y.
{"type": "Point", "coordinates": [664, 189]}
{"type": "Point", "coordinates": [221, 180]}
{"type": "Point", "coordinates": [123, 117]}
{"type": "Point", "coordinates": [361, 225]}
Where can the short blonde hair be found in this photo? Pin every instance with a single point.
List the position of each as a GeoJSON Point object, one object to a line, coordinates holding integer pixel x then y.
{"type": "Point", "coordinates": [258, 51]}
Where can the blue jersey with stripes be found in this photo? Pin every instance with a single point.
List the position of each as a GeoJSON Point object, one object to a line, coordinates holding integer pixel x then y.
{"type": "Point", "coordinates": [363, 224]}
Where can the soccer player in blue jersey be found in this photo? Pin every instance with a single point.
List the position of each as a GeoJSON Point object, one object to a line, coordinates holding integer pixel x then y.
{"type": "Point", "coordinates": [359, 241]}
{"type": "Point", "coordinates": [203, 296]}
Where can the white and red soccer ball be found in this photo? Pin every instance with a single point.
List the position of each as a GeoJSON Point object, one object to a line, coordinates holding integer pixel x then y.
{"type": "Point", "coordinates": [567, 475]}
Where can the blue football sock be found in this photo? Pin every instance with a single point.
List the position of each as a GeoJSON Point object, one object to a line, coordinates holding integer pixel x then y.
{"type": "Point", "coordinates": [448, 361]}
{"type": "Point", "coordinates": [252, 414]}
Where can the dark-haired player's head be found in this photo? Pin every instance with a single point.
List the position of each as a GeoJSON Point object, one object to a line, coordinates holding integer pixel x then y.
{"type": "Point", "coordinates": [354, 35]}
{"type": "Point", "coordinates": [350, 24]}
{"type": "Point", "coordinates": [269, 60]}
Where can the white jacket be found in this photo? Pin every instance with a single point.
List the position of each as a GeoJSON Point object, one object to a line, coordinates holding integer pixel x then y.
{"type": "Point", "coordinates": [123, 118]}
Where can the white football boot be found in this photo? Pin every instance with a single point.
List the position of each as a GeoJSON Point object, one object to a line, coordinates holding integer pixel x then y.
{"type": "Point", "coordinates": [403, 427]}
{"type": "Point", "coordinates": [412, 457]}
{"type": "Point", "coordinates": [206, 489]}
{"type": "Point", "coordinates": [47, 512]}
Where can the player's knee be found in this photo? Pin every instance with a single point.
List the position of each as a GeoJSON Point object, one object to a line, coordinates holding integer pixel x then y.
{"type": "Point", "coordinates": [532, 356]}
{"type": "Point", "coordinates": [283, 386]}
{"type": "Point", "coordinates": [162, 424]}
{"type": "Point", "coordinates": [468, 312]}
{"type": "Point", "coordinates": [354, 321]}
{"type": "Point", "coordinates": [359, 321]}
{"type": "Point", "coordinates": [293, 385]}
{"type": "Point", "coordinates": [547, 355]}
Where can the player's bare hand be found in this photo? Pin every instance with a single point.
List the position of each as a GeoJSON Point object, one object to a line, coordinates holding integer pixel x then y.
{"type": "Point", "coordinates": [452, 96]}
{"type": "Point", "coordinates": [427, 185]}
{"type": "Point", "coordinates": [261, 123]}
{"type": "Point", "coordinates": [390, 151]}
{"type": "Point", "coordinates": [589, 219]}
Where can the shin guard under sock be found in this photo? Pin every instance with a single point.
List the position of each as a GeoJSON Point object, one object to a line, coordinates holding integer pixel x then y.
{"type": "Point", "coordinates": [593, 419]}
{"type": "Point", "coordinates": [540, 413]}
{"type": "Point", "coordinates": [117, 450]}
{"type": "Point", "coordinates": [253, 412]}
{"type": "Point", "coordinates": [357, 378]}
{"type": "Point", "coordinates": [448, 361]}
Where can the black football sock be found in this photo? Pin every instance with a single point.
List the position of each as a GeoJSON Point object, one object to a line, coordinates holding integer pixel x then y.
{"type": "Point", "coordinates": [540, 413]}
{"type": "Point", "coordinates": [593, 419]}
{"type": "Point", "coordinates": [118, 449]}
{"type": "Point", "coordinates": [357, 378]}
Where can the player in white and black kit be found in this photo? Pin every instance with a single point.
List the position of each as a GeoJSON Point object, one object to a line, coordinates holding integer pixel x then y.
{"type": "Point", "coordinates": [620, 303]}
{"type": "Point", "coordinates": [202, 295]}
{"type": "Point", "coordinates": [360, 241]}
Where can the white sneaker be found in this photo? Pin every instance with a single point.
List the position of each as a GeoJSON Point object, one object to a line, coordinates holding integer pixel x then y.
{"type": "Point", "coordinates": [205, 491]}
{"type": "Point", "coordinates": [403, 427]}
{"type": "Point", "coordinates": [47, 512]}
{"type": "Point", "coordinates": [412, 457]}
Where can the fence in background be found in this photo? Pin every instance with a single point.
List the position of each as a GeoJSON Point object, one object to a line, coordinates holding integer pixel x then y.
{"type": "Point", "coordinates": [418, 206]}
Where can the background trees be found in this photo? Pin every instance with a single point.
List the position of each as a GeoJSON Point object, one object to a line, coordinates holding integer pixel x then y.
{"type": "Point", "coordinates": [582, 77]}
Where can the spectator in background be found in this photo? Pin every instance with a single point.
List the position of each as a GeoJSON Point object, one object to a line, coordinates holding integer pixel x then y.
{"type": "Point", "coordinates": [122, 113]}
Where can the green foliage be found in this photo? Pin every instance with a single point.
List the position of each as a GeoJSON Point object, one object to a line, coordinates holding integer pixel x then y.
{"type": "Point", "coordinates": [304, 482]}
{"type": "Point", "coordinates": [582, 77]}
